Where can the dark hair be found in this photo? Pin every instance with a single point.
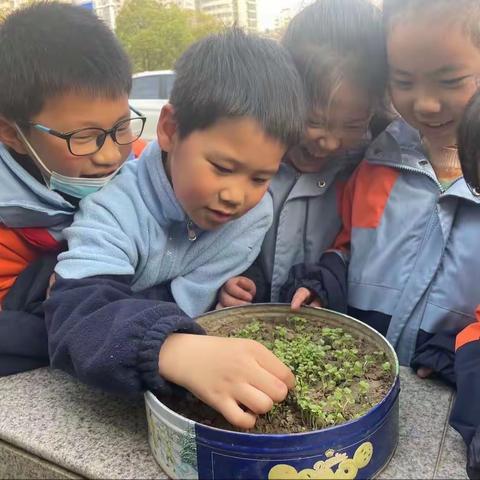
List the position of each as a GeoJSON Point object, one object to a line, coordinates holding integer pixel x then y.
{"type": "Point", "coordinates": [333, 39]}
{"type": "Point", "coordinates": [234, 74]}
{"type": "Point", "coordinates": [465, 11]}
{"type": "Point", "coordinates": [48, 49]}
{"type": "Point", "coordinates": [469, 142]}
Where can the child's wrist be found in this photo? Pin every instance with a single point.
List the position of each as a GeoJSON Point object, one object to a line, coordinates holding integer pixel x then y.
{"type": "Point", "coordinates": [170, 353]}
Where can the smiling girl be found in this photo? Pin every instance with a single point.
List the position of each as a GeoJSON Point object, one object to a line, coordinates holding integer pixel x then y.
{"type": "Point", "coordinates": [339, 51]}
{"type": "Point", "coordinates": [411, 224]}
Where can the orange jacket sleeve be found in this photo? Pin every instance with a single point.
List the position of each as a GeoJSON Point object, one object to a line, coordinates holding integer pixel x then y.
{"type": "Point", "coordinates": [471, 333]}
{"type": "Point", "coordinates": [15, 254]}
{"type": "Point", "coordinates": [364, 200]}
{"type": "Point", "coordinates": [342, 241]}
{"type": "Point", "coordinates": [138, 146]}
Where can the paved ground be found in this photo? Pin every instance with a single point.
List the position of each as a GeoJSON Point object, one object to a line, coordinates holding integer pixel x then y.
{"type": "Point", "coordinates": [53, 427]}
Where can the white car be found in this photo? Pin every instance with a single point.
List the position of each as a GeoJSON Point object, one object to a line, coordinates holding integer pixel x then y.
{"type": "Point", "coordinates": [150, 92]}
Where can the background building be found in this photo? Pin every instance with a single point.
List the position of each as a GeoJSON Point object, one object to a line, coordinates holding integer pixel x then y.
{"type": "Point", "coordinates": [12, 4]}
{"type": "Point", "coordinates": [186, 4]}
{"type": "Point", "coordinates": [283, 18]}
{"type": "Point", "coordinates": [242, 13]}
{"type": "Point", "coordinates": [107, 10]}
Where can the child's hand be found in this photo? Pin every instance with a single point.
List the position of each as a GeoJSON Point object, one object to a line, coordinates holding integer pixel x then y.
{"type": "Point", "coordinates": [303, 296]}
{"type": "Point", "coordinates": [236, 291]}
{"type": "Point", "coordinates": [238, 377]}
{"type": "Point", "coordinates": [424, 372]}
{"type": "Point", "coordinates": [51, 283]}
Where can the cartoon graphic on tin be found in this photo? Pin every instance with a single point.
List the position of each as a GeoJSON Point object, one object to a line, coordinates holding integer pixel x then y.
{"type": "Point", "coordinates": [347, 468]}
{"type": "Point", "coordinates": [177, 448]}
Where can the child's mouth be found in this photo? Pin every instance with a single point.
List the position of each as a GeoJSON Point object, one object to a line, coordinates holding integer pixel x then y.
{"type": "Point", "coordinates": [220, 216]}
{"type": "Point", "coordinates": [436, 127]}
{"type": "Point", "coordinates": [98, 175]}
{"type": "Point", "coordinates": [313, 156]}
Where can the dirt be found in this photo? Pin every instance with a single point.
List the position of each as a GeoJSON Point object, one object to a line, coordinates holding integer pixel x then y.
{"type": "Point", "coordinates": [333, 391]}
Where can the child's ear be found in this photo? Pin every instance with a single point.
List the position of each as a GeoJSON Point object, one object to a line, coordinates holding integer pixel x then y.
{"type": "Point", "coordinates": [9, 136]}
{"type": "Point", "coordinates": [167, 128]}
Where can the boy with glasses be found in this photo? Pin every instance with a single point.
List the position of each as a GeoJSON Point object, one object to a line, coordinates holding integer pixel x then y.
{"type": "Point", "coordinates": [65, 130]}
{"type": "Point", "coordinates": [84, 142]}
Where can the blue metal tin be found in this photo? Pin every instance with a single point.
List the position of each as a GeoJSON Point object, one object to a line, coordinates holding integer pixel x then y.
{"type": "Point", "coordinates": [360, 448]}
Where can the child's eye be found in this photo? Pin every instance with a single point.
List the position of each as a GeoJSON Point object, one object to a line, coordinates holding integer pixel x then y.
{"type": "Point", "coordinates": [83, 139]}
{"type": "Point", "coordinates": [453, 82]}
{"type": "Point", "coordinates": [261, 181]}
{"type": "Point", "coordinates": [221, 169]}
{"type": "Point", "coordinates": [402, 84]}
{"type": "Point", "coordinates": [123, 128]}
{"type": "Point", "coordinates": [316, 124]}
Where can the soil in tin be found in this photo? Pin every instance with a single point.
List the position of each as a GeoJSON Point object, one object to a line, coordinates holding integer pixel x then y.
{"type": "Point", "coordinates": [339, 376]}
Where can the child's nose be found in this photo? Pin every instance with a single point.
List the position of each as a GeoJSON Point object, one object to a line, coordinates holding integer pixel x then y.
{"type": "Point", "coordinates": [426, 104]}
{"type": "Point", "coordinates": [330, 143]}
{"type": "Point", "coordinates": [108, 155]}
{"type": "Point", "coordinates": [234, 196]}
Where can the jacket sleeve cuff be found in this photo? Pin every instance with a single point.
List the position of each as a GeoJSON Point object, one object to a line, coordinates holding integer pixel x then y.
{"type": "Point", "coordinates": [150, 345]}
{"type": "Point", "coordinates": [437, 353]}
{"type": "Point", "coordinates": [327, 279]}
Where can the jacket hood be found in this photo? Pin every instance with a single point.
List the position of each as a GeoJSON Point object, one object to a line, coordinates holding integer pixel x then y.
{"type": "Point", "coordinates": [24, 201]}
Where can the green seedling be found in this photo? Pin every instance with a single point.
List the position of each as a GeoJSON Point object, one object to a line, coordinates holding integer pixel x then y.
{"type": "Point", "coordinates": [331, 370]}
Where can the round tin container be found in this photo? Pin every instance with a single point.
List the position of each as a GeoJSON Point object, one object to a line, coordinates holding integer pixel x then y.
{"type": "Point", "coordinates": [360, 448]}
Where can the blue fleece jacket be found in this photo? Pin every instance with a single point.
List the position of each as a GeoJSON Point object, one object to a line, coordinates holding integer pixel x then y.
{"type": "Point", "coordinates": [132, 236]}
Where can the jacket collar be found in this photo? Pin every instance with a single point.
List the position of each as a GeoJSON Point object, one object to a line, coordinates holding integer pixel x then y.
{"type": "Point", "coordinates": [157, 192]}
{"type": "Point", "coordinates": [400, 146]}
{"type": "Point", "coordinates": [318, 183]}
{"type": "Point", "coordinates": [21, 192]}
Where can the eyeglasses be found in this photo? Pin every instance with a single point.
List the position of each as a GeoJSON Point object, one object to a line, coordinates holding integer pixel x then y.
{"type": "Point", "coordinates": [87, 141]}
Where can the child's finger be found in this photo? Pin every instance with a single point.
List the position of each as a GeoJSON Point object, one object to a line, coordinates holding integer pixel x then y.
{"type": "Point", "coordinates": [240, 288]}
{"type": "Point", "coordinates": [264, 381]}
{"type": "Point", "coordinates": [315, 303]}
{"type": "Point", "coordinates": [51, 283]}
{"type": "Point", "coordinates": [266, 359]}
{"type": "Point", "coordinates": [232, 412]}
{"type": "Point", "coordinates": [233, 295]}
{"type": "Point", "coordinates": [228, 300]}
{"type": "Point", "coordinates": [254, 399]}
{"type": "Point", "coordinates": [248, 285]}
{"type": "Point", "coordinates": [301, 297]}
{"type": "Point", "coordinates": [424, 372]}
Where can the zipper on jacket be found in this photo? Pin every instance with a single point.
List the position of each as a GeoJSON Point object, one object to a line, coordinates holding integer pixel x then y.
{"type": "Point", "coordinates": [412, 170]}
{"type": "Point", "coordinates": [192, 234]}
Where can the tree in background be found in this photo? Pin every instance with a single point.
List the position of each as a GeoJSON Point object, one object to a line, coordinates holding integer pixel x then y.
{"type": "Point", "coordinates": [155, 35]}
{"type": "Point", "coordinates": [4, 12]}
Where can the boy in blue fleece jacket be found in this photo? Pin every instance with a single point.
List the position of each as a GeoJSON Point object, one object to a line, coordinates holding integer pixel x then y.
{"type": "Point", "coordinates": [191, 213]}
